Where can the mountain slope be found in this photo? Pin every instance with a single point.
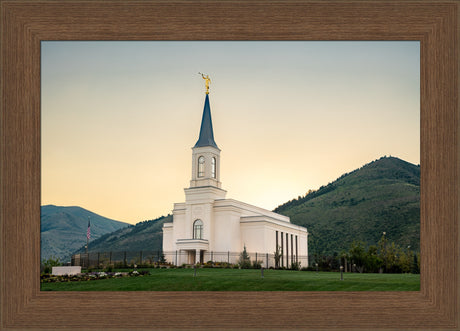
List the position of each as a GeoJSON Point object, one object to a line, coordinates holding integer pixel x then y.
{"type": "Point", "coordinates": [143, 236]}
{"type": "Point", "coordinates": [382, 196]}
{"type": "Point", "coordinates": [63, 229]}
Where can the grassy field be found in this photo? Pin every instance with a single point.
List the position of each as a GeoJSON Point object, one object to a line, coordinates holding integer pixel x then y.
{"type": "Point", "coordinates": [244, 280]}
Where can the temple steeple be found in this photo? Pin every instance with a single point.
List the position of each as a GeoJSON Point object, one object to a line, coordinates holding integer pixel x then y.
{"type": "Point", "coordinates": [206, 133]}
{"type": "Point", "coordinates": [206, 154]}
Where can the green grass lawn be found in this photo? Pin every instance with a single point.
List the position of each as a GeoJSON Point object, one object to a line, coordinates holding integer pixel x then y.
{"type": "Point", "coordinates": [244, 280]}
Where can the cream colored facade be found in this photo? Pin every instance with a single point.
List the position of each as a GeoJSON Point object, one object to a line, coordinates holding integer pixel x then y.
{"type": "Point", "coordinates": [207, 226]}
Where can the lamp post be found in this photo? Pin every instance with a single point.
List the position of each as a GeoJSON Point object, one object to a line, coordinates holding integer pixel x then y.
{"type": "Point", "coordinates": [341, 272]}
{"type": "Point", "coordinates": [316, 267]}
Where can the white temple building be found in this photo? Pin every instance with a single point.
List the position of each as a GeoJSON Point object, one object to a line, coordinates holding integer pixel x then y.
{"type": "Point", "coordinates": [209, 227]}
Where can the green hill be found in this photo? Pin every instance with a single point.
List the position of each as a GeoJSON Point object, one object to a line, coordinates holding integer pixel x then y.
{"type": "Point", "coordinates": [144, 236]}
{"type": "Point", "coordinates": [382, 196]}
{"type": "Point", "coordinates": [63, 229]}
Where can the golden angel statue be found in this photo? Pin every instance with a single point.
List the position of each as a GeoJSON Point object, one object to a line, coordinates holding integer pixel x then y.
{"type": "Point", "coordinates": [207, 80]}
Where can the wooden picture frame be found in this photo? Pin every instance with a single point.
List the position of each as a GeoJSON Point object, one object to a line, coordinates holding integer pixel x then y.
{"type": "Point", "coordinates": [24, 24]}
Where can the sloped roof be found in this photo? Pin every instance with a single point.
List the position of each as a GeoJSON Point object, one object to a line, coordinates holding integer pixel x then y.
{"type": "Point", "coordinates": [206, 133]}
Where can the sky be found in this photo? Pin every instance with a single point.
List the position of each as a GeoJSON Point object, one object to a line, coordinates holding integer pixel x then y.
{"type": "Point", "coordinates": [119, 119]}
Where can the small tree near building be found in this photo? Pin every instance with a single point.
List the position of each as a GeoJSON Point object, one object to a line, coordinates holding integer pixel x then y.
{"type": "Point", "coordinates": [244, 261]}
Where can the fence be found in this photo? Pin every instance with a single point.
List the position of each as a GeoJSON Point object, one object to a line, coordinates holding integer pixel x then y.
{"type": "Point", "coordinates": [116, 258]}
{"type": "Point", "coordinates": [148, 258]}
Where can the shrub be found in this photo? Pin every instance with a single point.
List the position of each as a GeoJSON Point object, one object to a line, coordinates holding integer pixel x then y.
{"type": "Point", "coordinates": [244, 261]}
{"type": "Point", "coordinates": [295, 265]}
{"type": "Point", "coordinates": [257, 264]}
{"type": "Point", "coordinates": [48, 264]}
{"type": "Point", "coordinates": [119, 265]}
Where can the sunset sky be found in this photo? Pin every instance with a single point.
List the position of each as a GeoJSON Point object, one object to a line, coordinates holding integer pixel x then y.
{"type": "Point", "coordinates": [119, 119]}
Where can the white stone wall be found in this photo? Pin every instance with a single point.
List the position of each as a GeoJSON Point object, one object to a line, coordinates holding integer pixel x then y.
{"type": "Point", "coordinates": [208, 152]}
{"type": "Point", "coordinates": [179, 226]}
{"type": "Point", "coordinates": [67, 270]}
{"type": "Point", "coordinates": [253, 237]}
{"type": "Point", "coordinates": [227, 234]}
{"type": "Point", "coordinates": [168, 239]}
{"type": "Point", "coordinates": [228, 225]}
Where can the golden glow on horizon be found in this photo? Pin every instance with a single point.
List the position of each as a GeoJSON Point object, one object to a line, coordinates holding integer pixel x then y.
{"type": "Point", "coordinates": [119, 118]}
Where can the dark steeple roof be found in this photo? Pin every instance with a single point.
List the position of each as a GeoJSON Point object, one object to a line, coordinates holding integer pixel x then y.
{"type": "Point", "coordinates": [206, 134]}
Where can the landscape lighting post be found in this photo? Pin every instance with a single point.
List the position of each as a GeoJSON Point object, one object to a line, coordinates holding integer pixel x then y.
{"type": "Point", "coordinates": [316, 267]}
{"type": "Point", "coordinates": [341, 272]}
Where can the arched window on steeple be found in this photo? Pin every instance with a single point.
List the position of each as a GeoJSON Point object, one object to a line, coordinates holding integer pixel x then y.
{"type": "Point", "coordinates": [198, 229]}
{"type": "Point", "coordinates": [201, 166]}
{"type": "Point", "coordinates": [213, 167]}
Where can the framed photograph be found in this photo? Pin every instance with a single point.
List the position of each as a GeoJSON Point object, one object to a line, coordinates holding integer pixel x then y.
{"type": "Point", "coordinates": [26, 25]}
{"type": "Point", "coordinates": [288, 117]}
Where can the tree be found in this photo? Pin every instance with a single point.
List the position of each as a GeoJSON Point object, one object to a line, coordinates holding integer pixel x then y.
{"type": "Point", "coordinates": [386, 254]}
{"type": "Point", "coordinates": [382, 245]}
{"type": "Point", "coordinates": [47, 265]}
{"type": "Point", "coordinates": [335, 263]}
{"type": "Point", "coordinates": [358, 254]}
{"type": "Point", "coordinates": [244, 261]}
{"type": "Point", "coordinates": [162, 258]}
{"type": "Point", "coordinates": [415, 266]}
{"type": "Point", "coordinates": [405, 261]}
{"type": "Point", "coordinates": [372, 260]}
{"type": "Point", "coordinates": [344, 257]}
{"type": "Point", "coordinates": [391, 257]}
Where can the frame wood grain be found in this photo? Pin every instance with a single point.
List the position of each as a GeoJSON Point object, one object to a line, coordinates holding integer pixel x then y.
{"type": "Point", "coordinates": [25, 24]}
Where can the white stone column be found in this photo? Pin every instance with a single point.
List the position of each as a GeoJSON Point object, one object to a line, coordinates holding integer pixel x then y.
{"type": "Point", "coordinates": [179, 253]}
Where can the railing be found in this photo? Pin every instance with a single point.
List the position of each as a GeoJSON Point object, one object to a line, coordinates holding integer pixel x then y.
{"type": "Point", "coordinates": [120, 259]}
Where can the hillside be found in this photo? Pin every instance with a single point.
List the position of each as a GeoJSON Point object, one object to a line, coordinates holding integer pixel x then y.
{"type": "Point", "coordinates": [383, 195]}
{"type": "Point", "coordinates": [143, 236]}
{"type": "Point", "coordinates": [63, 229]}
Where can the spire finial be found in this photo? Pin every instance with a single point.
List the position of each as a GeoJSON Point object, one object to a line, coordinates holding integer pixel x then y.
{"type": "Point", "coordinates": [207, 80]}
